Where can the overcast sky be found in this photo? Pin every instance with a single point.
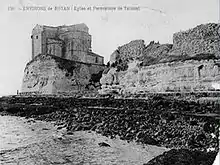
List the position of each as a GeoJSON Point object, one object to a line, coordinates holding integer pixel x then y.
{"type": "Point", "coordinates": [156, 20]}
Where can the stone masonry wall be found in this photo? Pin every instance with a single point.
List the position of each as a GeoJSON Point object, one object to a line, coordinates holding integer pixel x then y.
{"type": "Point", "coordinates": [128, 52]}
{"type": "Point", "coordinates": [54, 47]}
{"type": "Point", "coordinates": [131, 50]}
{"type": "Point", "coordinates": [69, 42]}
{"type": "Point", "coordinates": [156, 50]}
{"type": "Point", "coordinates": [204, 38]}
{"type": "Point", "coordinates": [48, 74]}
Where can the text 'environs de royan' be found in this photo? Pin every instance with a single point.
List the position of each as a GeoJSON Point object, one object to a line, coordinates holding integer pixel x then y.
{"type": "Point", "coordinates": [80, 8]}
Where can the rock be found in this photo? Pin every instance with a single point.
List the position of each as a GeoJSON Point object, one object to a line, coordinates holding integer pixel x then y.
{"type": "Point", "coordinates": [47, 74]}
{"type": "Point", "coordinates": [60, 138]}
{"type": "Point", "coordinates": [86, 127]}
{"type": "Point", "coordinates": [69, 133]}
{"type": "Point", "coordinates": [173, 157]}
{"type": "Point", "coordinates": [114, 57]}
{"type": "Point", "coordinates": [183, 157]}
{"type": "Point", "coordinates": [154, 52]}
{"type": "Point", "coordinates": [14, 108]}
{"type": "Point", "coordinates": [103, 144]}
{"type": "Point", "coordinates": [201, 139]}
{"type": "Point", "coordinates": [129, 119]}
{"type": "Point", "coordinates": [193, 122]}
{"type": "Point", "coordinates": [149, 140]}
{"type": "Point", "coordinates": [77, 127]}
{"type": "Point", "coordinates": [168, 116]}
{"type": "Point", "coordinates": [60, 127]}
{"type": "Point", "coordinates": [209, 127]}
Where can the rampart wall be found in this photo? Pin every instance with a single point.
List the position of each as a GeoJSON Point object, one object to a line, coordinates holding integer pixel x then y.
{"type": "Point", "coordinates": [204, 38]}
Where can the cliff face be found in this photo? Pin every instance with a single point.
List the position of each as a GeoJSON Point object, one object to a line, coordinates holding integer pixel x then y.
{"type": "Point", "coordinates": [185, 76]}
{"type": "Point", "coordinates": [191, 64]}
{"type": "Point", "coordinates": [49, 74]}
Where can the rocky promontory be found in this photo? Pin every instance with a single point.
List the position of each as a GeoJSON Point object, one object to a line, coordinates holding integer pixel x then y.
{"type": "Point", "coordinates": [48, 74]}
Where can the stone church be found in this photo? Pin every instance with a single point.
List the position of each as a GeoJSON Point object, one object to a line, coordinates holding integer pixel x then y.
{"type": "Point", "coordinates": [69, 42]}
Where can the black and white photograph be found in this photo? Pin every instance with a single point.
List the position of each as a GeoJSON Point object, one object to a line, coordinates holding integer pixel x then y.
{"type": "Point", "coordinates": [109, 82]}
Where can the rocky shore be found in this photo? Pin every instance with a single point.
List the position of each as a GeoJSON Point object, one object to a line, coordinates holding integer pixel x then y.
{"type": "Point", "coordinates": [186, 127]}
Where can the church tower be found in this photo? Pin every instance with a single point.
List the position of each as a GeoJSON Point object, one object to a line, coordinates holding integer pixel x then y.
{"type": "Point", "coordinates": [37, 40]}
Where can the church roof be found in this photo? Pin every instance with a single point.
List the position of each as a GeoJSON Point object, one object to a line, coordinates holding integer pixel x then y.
{"type": "Point", "coordinates": [94, 54]}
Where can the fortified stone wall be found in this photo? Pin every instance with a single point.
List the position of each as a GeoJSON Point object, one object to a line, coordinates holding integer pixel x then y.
{"type": "Point", "coordinates": [204, 38]}
{"type": "Point", "coordinates": [192, 63]}
{"type": "Point", "coordinates": [131, 50]}
{"type": "Point", "coordinates": [157, 50]}
{"type": "Point", "coordinates": [48, 74]}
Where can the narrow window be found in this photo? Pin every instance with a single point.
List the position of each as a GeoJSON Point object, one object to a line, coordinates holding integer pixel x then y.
{"type": "Point", "coordinates": [54, 53]}
{"type": "Point", "coordinates": [199, 68]}
{"type": "Point", "coordinates": [71, 45]}
{"type": "Point", "coordinates": [71, 48]}
{"type": "Point", "coordinates": [96, 59]}
{"type": "Point", "coordinates": [36, 37]}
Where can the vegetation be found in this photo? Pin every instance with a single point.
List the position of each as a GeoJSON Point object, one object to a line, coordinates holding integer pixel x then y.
{"type": "Point", "coordinates": [120, 65]}
{"type": "Point", "coordinates": [96, 77]}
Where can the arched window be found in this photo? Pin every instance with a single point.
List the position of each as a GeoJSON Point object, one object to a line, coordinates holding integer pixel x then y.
{"type": "Point", "coordinates": [199, 68]}
{"type": "Point", "coordinates": [96, 59]}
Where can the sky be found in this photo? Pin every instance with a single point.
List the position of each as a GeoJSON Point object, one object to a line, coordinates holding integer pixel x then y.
{"type": "Point", "coordinates": [155, 20]}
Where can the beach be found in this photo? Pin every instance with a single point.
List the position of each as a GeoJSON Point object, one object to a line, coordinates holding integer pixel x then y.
{"type": "Point", "coordinates": [68, 130]}
{"type": "Point", "coordinates": [28, 141]}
